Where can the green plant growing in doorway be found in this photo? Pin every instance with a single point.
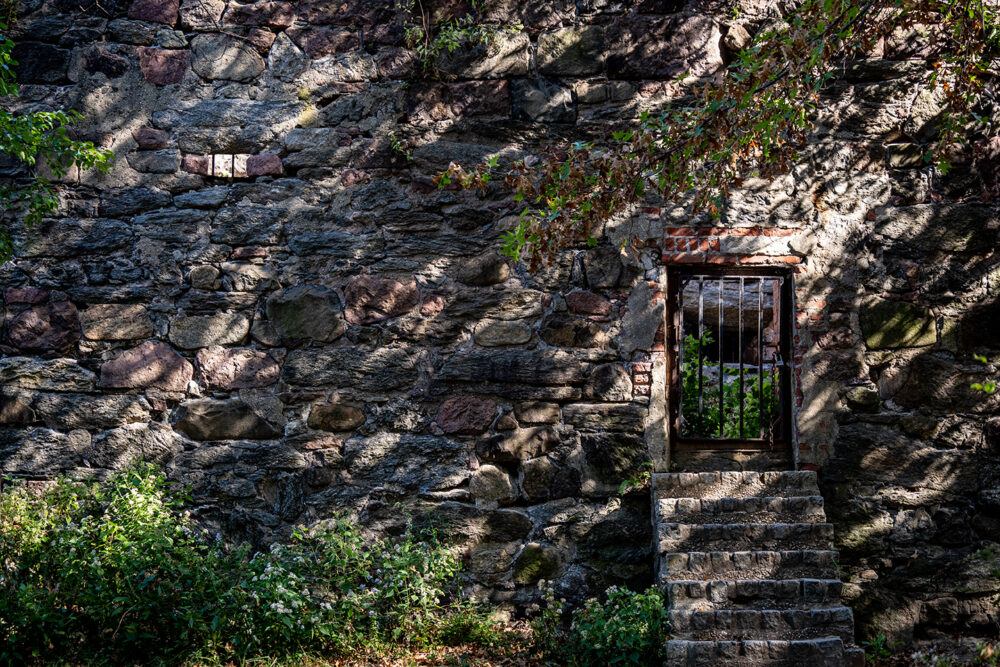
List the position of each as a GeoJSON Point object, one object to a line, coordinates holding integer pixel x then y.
{"type": "Point", "coordinates": [759, 396]}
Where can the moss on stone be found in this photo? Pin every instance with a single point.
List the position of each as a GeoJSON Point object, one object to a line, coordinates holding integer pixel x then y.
{"type": "Point", "coordinates": [893, 324]}
{"type": "Point", "coordinates": [536, 562]}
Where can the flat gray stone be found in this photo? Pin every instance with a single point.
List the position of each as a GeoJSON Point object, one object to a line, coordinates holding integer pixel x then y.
{"type": "Point", "coordinates": [215, 56]}
{"type": "Point", "coordinates": [66, 412]}
{"type": "Point", "coordinates": [113, 321]}
{"type": "Point", "coordinates": [197, 331]}
{"type": "Point", "coordinates": [47, 375]}
{"type": "Point", "coordinates": [382, 369]}
{"type": "Point", "coordinates": [129, 444]}
{"type": "Point", "coordinates": [210, 419]}
{"type": "Point", "coordinates": [496, 333]}
{"type": "Point", "coordinates": [491, 486]}
{"type": "Point", "coordinates": [306, 312]}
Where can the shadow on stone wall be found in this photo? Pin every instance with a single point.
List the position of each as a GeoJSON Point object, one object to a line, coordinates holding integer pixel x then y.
{"type": "Point", "coordinates": [327, 330]}
{"type": "Point", "coordinates": [270, 300]}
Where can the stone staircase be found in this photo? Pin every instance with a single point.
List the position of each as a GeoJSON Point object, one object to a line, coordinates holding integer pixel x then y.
{"type": "Point", "coordinates": [747, 562]}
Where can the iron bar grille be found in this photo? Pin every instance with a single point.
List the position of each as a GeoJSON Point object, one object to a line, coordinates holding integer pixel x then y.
{"type": "Point", "coordinates": [731, 366]}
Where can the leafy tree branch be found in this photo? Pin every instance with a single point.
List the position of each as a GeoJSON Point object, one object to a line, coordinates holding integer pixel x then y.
{"type": "Point", "coordinates": [753, 119]}
{"type": "Point", "coordinates": [36, 139]}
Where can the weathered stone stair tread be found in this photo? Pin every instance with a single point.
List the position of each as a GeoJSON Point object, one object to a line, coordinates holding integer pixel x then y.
{"type": "Point", "coordinates": [787, 624]}
{"type": "Point", "coordinates": [825, 652]}
{"type": "Point", "coordinates": [755, 509]}
{"type": "Point", "coordinates": [747, 564]}
{"type": "Point", "coordinates": [794, 564]}
{"type": "Point", "coordinates": [735, 484]}
{"type": "Point", "coordinates": [754, 593]}
{"type": "Point", "coordinates": [741, 536]}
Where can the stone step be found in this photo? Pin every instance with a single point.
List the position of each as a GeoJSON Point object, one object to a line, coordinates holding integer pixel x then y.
{"type": "Point", "coordinates": [787, 624]}
{"type": "Point", "coordinates": [700, 565]}
{"type": "Point", "coordinates": [680, 537]}
{"type": "Point", "coordinates": [727, 484]}
{"type": "Point", "coordinates": [754, 593]}
{"type": "Point", "coordinates": [755, 509]}
{"type": "Point", "coordinates": [827, 652]}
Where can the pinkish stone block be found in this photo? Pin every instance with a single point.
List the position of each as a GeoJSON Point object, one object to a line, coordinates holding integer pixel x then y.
{"type": "Point", "coordinates": [162, 66]}
{"type": "Point", "coordinates": [266, 164]}
{"type": "Point", "coordinates": [587, 303]}
{"type": "Point", "coordinates": [155, 11]}
{"type": "Point", "coordinates": [51, 326]}
{"type": "Point", "coordinates": [371, 299]}
{"type": "Point", "coordinates": [151, 139]}
{"type": "Point", "coordinates": [25, 295]}
{"type": "Point", "coordinates": [228, 369]}
{"type": "Point", "coordinates": [197, 164]}
{"type": "Point", "coordinates": [467, 415]}
{"type": "Point", "coordinates": [152, 364]}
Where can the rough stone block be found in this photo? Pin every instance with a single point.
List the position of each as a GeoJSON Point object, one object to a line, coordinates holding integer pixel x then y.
{"type": "Point", "coordinates": [895, 324]}
{"type": "Point", "coordinates": [50, 326]}
{"type": "Point", "coordinates": [165, 161]}
{"type": "Point", "coordinates": [227, 369]}
{"type": "Point", "coordinates": [411, 462]}
{"type": "Point", "coordinates": [111, 321]}
{"type": "Point", "coordinates": [609, 382]}
{"type": "Point", "coordinates": [574, 51]}
{"type": "Point", "coordinates": [536, 412]}
{"type": "Point", "coordinates": [151, 364]}
{"type": "Point", "coordinates": [25, 295]}
{"type": "Point", "coordinates": [336, 417]}
{"type": "Point", "coordinates": [583, 302]}
{"type": "Point", "coordinates": [448, 101]}
{"type": "Point", "coordinates": [265, 13]}
{"type": "Point", "coordinates": [210, 419]}
{"type": "Point", "coordinates": [370, 300]}
{"type": "Point", "coordinates": [561, 330]}
{"type": "Point", "coordinates": [162, 67]}
{"type": "Point", "coordinates": [322, 42]}
{"type": "Point", "coordinates": [40, 63]}
{"type": "Point", "coordinates": [193, 332]}
{"type": "Point", "coordinates": [537, 561]}
{"type": "Point", "coordinates": [47, 375]}
{"type": "Point", "coordinates": [306, 312]}
{"type": "Point", "coordinates": [222, 57]}
{"type": "Point", "coordinates": [110, 65]}
{"type": "Point", "coordinates": [201, 14]}
{"type": "Point", "coordinates": [382, 369]}
{"type": "Point", "coordinates": [664, 47]}
{"type": "Point", "coordinates": [466, 415]}
{"type": "Point", "coordinates": [503, 56]}
{"type": "Point", "coordinates": [524, 443]}
{"type": "Point", "coordinates": [483, 270]}
{"type": "Point", "coordinates": [263, 165]}
{"type": "Point", "coordinates": [125, 446]}
{"type": "Point", "coordinates": [41, 451]}
{"type": "Point", "coordinates": [530, 367]}
{"type": "Point", "coordinates": [542, 101]}
{"type": "Point", "coordinates": [497, 333]}
{"type": "Point", "coordinates": [491, 486]}
{"type": "Point", "coordinates": [155, 11]}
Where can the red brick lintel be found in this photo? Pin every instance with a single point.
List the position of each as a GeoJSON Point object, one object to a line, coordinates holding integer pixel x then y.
{"type": "Point", "coordinates": [731, 231]}
{"type": "Point", "coordinates": [704, 258]}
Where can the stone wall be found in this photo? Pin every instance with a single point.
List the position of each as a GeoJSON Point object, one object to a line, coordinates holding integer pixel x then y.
{"type": "Point", "coordinates": [273, 302]}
